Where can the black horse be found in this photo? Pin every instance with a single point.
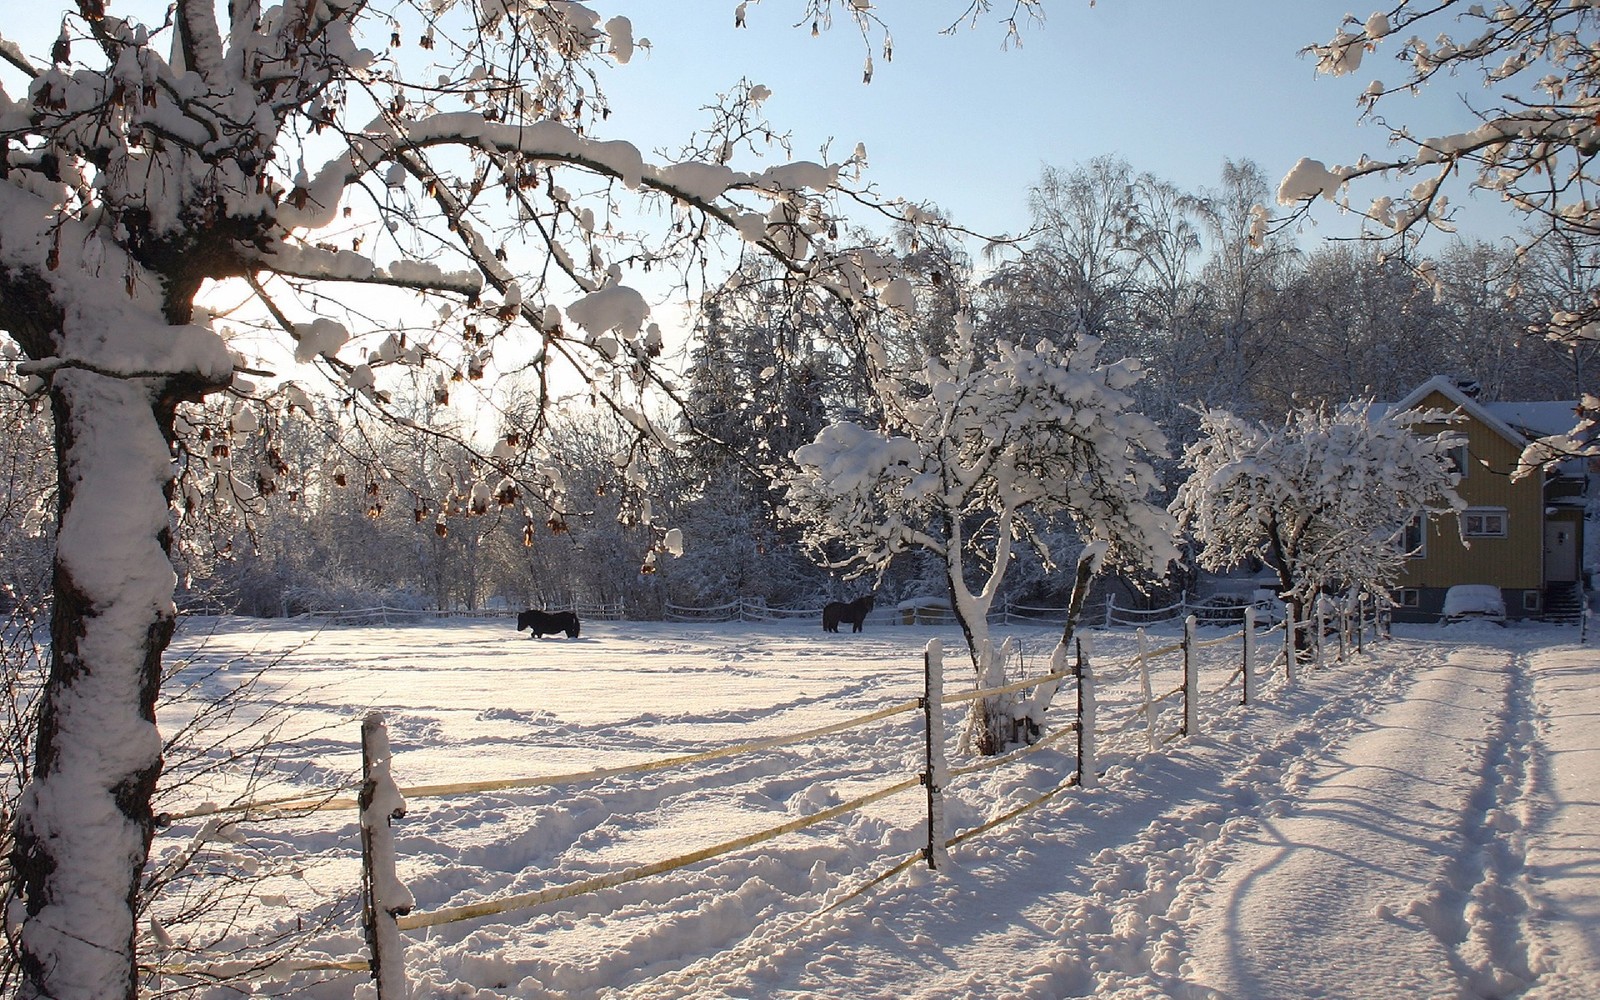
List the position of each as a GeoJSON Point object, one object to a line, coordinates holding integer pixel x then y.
{"type": "Point", "coordinates": [543, 622]}
{"type": "Point", "coordinates": [854, 612]}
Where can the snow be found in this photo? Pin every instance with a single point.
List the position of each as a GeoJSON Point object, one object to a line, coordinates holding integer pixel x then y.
{"type": "Point", "coordinates": [1479, 599]}
{"type": "Point", "coordinates": [615, 307]}
{"type": "Point", "coordinates": [1310, 178]}
{"type": "Point", "coordinates": [109, 550]}
{"type": "Point", "coordinates": [1420, 817]}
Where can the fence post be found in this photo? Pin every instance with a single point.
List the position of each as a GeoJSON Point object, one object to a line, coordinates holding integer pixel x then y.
{"type": "Point", "coordinates": [1144, 688]}
{"type": "Point", "coordinates": [933, 727]}
{"type": "Point", "coordinates": [1111, 608]}
{"type": "Point", "coordinates": [1319, 626]}
{"type": "Point", "coordinates": [1087, 773]}
{"type": "Point", "coordinates": [1361, 619]}
{"type": "Point", "coordinates": [383, 896]}
{"type": "Point", "coordinates": [1191, 680]}
{"type": "Point", "coordinates": [1247, 667]}
{"type": "Point", "coordinates": [1290, 629]}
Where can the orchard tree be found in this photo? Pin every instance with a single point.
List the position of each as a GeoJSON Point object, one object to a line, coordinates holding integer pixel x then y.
{"type": "Point", "coordinates": [977, 449]}
{"type": "Point", "coordinates": [447, 157]}
{"type": "Point", "coordinates": [1322, 498]}
{"type": "Point", "coordinates": [1531, 139]}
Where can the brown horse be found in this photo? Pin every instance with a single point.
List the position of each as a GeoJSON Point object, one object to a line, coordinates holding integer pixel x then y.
{"type": "Point", "coordinates": [855, 612]}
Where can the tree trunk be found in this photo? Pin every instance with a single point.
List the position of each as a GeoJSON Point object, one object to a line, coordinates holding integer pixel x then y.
{"type": "Point", "coordinates": [1080, 593]}
{"type": "Point", "coordinates": [1293, 601]}
{"type": "Point", "coordinates": [84, 824]}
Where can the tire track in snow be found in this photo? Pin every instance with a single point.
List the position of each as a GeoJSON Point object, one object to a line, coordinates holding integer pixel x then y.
{"type": "Point", "coordinates": [1485, 888]}
{"type": "Point", "coordinates": [1392, 874]}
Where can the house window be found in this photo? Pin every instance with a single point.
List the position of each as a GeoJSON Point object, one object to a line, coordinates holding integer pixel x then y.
{"type": "Point", "coordinates": [1458, 460]}
{"type": "Point", "coordinates": [1484, 522]}
{"type": "Point", "coordinates": [1530, 600]}
{"type": "Point", "coordinates": [1413, 539]}
{"type": "Point", "coordinates": [1410, 598]}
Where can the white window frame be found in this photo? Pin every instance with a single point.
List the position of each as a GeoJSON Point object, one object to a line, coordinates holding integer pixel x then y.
{"type": "Point", "coordinates": [1484, 531]}
{"type": "Point", "coordinates": [1530, 600]}
{"type": "Point", "coordinates": [1410, 597]}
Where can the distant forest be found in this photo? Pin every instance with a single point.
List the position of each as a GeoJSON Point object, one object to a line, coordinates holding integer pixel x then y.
{"type": "Point", "coordinates": [1219, 314]}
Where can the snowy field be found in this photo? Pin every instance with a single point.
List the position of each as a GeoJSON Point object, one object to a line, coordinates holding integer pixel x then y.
{"type": "Point", "coordinates": [1423, 819]}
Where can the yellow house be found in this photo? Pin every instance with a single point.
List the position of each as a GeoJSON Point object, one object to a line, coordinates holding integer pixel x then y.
{"type": "Point", "coordinates": [1524, 536]}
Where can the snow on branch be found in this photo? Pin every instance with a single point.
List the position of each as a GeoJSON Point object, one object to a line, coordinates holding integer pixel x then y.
{"type": "Point", "coordinates": [1322, 499]}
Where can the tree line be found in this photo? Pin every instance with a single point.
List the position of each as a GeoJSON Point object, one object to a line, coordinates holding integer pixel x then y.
{"type": "Point", "coordinates": [393, 511]}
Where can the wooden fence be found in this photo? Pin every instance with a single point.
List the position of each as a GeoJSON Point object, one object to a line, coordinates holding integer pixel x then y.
{"type": "Point", "coordinates": [389, 910]}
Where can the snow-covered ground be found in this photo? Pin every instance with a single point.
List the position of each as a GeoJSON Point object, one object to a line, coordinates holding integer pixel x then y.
{"type": "Point", "coordinates": [1422, 819]}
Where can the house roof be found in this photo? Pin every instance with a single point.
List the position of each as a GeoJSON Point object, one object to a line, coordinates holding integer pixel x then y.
{"type": "Point", "coordinates": [1536, 419]}
{"type": "Point", "coordinates": [1516, 422]}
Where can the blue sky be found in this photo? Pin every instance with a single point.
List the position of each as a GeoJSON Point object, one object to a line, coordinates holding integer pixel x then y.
{"type": "Point", "coordinates": [1173, 86]}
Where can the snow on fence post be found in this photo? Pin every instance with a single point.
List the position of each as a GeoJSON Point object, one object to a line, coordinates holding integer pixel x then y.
{"type": "Point", "coordinates": [1087, 775]}
{"type": "Point", "coordinates": [1248, 654]}
{"type": "Point", "coordinates": [936, 773]}
{"type": "Point", "coordinates": [1191, 680]}
{"type": "Point", "coordinates": [1111, 609]}
{"type": "Point", "coordinates": [1144, 688]}
{"type": "Point", "coordinates": [383, 896]}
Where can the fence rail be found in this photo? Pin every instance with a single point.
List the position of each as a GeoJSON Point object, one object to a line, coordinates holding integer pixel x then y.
{"type": "Point", "coordinates": [385, 615]}
{"type": "Point", "coordinates": [388, 909]}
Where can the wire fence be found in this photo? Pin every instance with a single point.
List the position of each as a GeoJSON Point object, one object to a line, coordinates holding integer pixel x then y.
{"type": "Point", "coordinates": [384, 615]}
{"type": "Point", "coordinates": [1216, 610]}
{"type": "Point", "coordinates": [1223, 610]}
{"type": "Point", "coordinates": [1155, 716]}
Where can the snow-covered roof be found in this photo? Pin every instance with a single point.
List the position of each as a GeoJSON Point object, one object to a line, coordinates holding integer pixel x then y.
{"type": "Point", "coordinates": [1516, 422]}
{"type": "Point", "coordinates": [1536, 419]}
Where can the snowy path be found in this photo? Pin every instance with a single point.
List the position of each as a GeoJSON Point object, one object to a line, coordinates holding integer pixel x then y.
{"type": "Point", "coordinates": [1366, 889]}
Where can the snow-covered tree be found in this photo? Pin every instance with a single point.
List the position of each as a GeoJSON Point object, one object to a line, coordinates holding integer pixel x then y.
{"type": "Point", "coordinates": [451, 159]}
{"type": "Point", "coordinates": [1322, 498]}
{"type": "Point", "coordinates": [975, 450]}
{"type": "Point", "coordinates": [1530, 138]}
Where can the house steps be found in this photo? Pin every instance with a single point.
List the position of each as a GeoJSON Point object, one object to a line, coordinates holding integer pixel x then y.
{"type": "Point", "coordinates": [1563, 604]}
